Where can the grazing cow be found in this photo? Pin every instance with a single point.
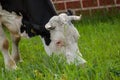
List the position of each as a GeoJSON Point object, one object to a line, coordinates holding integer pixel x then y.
{"type": "Point", "coordinates": [55, 35]}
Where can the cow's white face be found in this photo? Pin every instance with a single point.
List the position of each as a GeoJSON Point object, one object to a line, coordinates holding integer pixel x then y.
{"type": "Point", "coordinates": [64, 37]}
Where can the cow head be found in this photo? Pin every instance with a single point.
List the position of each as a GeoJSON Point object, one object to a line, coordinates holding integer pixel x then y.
{"type": "Point", "coordinates": [64, 37]}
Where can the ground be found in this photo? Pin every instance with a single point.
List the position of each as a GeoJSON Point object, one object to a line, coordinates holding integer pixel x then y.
{"type": "Point", "coordinates": [99, 43]}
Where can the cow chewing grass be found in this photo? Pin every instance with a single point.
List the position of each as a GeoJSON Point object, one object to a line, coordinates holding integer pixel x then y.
{"type": "Point", "coordinates": [59, 36]}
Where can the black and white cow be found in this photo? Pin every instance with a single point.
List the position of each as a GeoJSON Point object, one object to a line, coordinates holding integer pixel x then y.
{"type": "Point", "coordinates": [38, 17]}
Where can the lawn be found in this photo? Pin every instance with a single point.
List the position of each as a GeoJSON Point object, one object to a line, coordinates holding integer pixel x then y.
{"type": "Point", "coordinates": [99, 43]}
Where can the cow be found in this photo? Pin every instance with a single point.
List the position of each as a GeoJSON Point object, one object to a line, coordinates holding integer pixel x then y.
{"type": "Point", "coordinates": [40, 18]}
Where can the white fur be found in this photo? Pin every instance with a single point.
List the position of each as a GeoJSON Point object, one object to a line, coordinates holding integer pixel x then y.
{"type": "Point", "coordinates": [64, 32]}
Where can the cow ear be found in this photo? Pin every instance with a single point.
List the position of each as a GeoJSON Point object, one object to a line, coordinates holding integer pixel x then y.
{"type": "Point", "coordinates": [75, 17]}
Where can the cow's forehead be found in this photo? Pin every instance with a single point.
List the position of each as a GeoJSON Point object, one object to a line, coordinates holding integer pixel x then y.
{"type": "Point", "coordinates": [59, 18]}
{"type": "Point", "coordinates": [54, 18]}
{"type": "Point", "coordinates": [63, 16]}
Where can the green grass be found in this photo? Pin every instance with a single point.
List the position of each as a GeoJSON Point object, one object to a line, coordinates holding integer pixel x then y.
{"type": "Point", "coordinates": [99, 43]}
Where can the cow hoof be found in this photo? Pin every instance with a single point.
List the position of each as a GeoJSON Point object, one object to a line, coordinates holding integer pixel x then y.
{"type": "Point", "coordinates": [11, 65]}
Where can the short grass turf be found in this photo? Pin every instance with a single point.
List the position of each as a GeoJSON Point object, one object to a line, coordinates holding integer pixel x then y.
{"type": "Point", "coordinates": [99, 43]}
